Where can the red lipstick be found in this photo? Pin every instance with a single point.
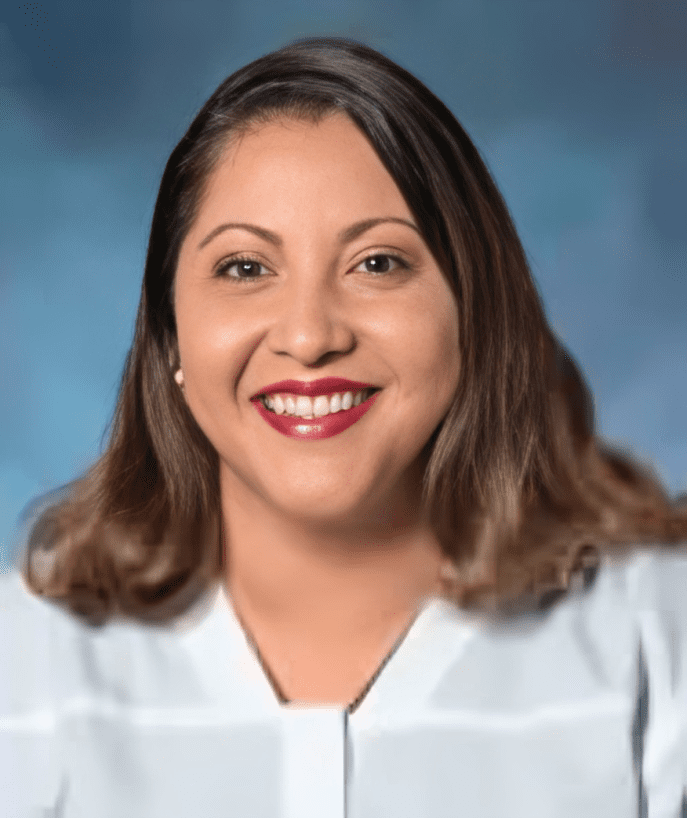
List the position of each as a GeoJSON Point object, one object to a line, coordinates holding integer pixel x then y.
{"type": "Point", "coordinates": [314, 428]}
{"type": "Point", "coordinates": [322, 386]}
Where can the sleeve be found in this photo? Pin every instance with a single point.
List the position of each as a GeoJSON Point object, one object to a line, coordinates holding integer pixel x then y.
{"type": "Point", "coordinates": [658, 588]}
{"type": "Point", "coordinates": [30, 770]}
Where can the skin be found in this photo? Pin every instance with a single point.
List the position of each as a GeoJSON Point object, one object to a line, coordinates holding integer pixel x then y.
{"type": "Point", "coordinates": [327, 554]}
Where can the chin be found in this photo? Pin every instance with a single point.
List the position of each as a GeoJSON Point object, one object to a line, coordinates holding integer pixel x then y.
{"type": "Point", "coordinates": [317, 508]}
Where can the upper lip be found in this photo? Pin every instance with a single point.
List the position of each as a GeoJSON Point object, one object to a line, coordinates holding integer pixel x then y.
{"type": "Point", "coordinates": [322, 386]}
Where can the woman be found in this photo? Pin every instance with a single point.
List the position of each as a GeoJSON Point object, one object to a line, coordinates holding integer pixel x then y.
{"type": "Point", "coordinates": [353, 474]}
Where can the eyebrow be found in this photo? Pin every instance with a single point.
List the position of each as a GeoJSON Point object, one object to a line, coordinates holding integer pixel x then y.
{"type": "Point", "coordinates": [345, 236]}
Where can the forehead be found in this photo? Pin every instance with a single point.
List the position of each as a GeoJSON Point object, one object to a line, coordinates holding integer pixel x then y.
{"type": "Point", "coordinates": [328, 166]}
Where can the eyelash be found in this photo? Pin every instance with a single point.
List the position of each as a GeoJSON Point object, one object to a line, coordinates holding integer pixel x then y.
{"type": "Point", "coordinates": [224, 266]}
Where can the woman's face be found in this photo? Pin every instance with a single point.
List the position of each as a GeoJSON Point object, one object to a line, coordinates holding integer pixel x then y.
{"type": "Point", "coordinates": [305, 262]}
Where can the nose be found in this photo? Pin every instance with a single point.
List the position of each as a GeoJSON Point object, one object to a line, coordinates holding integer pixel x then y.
{"type": "Point", "coordinates": [311, 323]}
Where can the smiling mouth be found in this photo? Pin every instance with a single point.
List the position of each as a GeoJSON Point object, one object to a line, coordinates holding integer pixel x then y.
{"type": "Point", "coordinates": [290, 405]}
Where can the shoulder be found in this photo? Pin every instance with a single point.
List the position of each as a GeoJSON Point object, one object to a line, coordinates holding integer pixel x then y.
{"type": "Point", "coordinates": [657, 578]}
{"type": "Point", "coordinates": [657, 589]}
{"type": "Point", "coordinates": [30, 636]}
{"type": "Point", "coordinates": [646, 588]}
{"type": "Point", "coordinates": [645, 579]}
{"type": "Point", "coordinates": [31, 771]}
{"type": "Point", "coordinates": [26, 623]}
{"type": "Point", "coordinates": [590, 643]}
{"type": "Point", "coordinates": [56, 660]}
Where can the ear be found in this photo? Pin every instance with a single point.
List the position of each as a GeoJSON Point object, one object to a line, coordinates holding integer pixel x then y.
{"type": "Point", "coordinates": [173, 361]}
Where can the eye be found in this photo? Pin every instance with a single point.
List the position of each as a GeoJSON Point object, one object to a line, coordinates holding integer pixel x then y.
{"type": "Point", "coordinates": [382, 263]}
{"type": "Point", "coordinates": [241, 269]}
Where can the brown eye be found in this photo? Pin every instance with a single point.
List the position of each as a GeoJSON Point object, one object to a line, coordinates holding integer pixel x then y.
{"type": "Point", "coordinates": [241, 269]}
{"type": "Point", "coordinates": [378, 264]}
{"type": "Point", "coordinates": [249, 269]}
{"type": "Point", "coordinates": [381, 263]}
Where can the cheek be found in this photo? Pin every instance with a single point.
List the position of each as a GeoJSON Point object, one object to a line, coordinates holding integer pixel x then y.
{"type": "Point", "coordinates": [207, 336]}
{"type": "Point", "coordinates": [430, 345]}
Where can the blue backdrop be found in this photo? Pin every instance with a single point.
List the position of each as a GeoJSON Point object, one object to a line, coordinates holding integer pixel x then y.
{"type": "Point", "coordinates": [579, 108]}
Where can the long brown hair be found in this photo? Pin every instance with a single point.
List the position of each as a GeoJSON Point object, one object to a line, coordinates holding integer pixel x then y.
{"type": "Point", "coordinates": [518, 486]}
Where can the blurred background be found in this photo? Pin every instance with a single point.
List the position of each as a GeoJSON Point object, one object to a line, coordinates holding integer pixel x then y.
{"type": "Point", "coordinates": [579, 108]}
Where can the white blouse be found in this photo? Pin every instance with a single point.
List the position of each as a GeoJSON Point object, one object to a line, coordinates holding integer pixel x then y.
{"type": "Point", "coordinates": [579, 712]}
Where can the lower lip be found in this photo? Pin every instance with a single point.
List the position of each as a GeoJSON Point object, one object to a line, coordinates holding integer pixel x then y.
{"type": "Point", "coordinates": [315, 428]}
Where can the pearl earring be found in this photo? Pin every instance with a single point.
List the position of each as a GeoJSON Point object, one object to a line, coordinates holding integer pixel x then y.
{"type": "Point", "coordinates": [179, 377]}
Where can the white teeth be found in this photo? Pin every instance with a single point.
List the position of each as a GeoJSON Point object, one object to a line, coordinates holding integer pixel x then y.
{"type": "Point", "coordinates": [305, 407]}
{"type": "Point", "coordinates": [320, 406]}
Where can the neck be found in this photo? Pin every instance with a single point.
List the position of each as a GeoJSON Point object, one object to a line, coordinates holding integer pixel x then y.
{"type": "Point", "coordinates": [297, 579]}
